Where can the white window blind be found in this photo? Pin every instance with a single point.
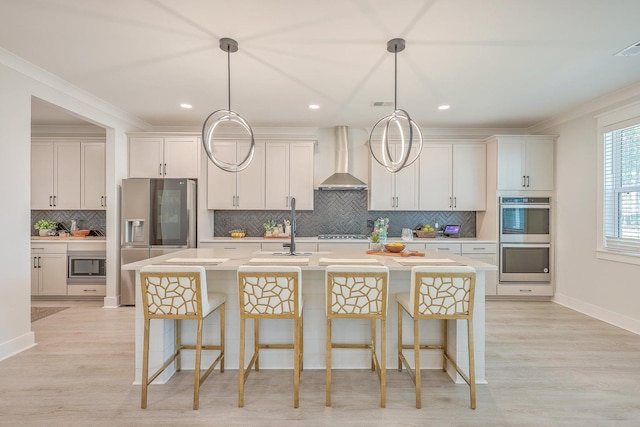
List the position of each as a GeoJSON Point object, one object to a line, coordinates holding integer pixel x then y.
{"type": "Point", "coordinates": [622, 189]}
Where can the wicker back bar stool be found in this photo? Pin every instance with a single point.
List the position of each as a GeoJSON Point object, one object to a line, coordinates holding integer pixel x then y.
{"type": "Point", "coordinates": [171, 292]}
{"type": "Point", "coordinates": [437, 292]}
{"type": "Point", "coordinates": [270, 292]}
{"type": "Point", "coordinates": [358, 292]}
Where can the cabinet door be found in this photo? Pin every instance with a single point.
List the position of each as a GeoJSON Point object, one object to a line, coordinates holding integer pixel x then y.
{"type": "Point", "coordinates": [511, 155]}
{"type": "Point", "coordinates": [92, 170]}
{"type": "Point", "coordinates": [181, 157]}
{"type": "Point", "coordinates": [277, 176]}
{"type": "Point", "coordinates": [35, 275]}
{"type": "Point", "coordinates": [66, 179]}
{"type": "Point", "coordinates": [407, 187]}
{"type": "Point", "coordinates": [53, 274]}
{"type": "Point", "coordinates": [250, 182]}
{"type": "Point", "coordinates": [539, 165]}
{"type": "Point", "coordinates": [435, 177]}
{"type": "Point", "coordinates": [221, 185]}
{"type": "Point", "coordinates": [42, 175]}
{"type": "Point", "coordinates": [469, 177]}
{"type": "Point", "coordinates": [301, 174]}
{"type": "Point", "coordinates": [381, 186]}
{"type": "Point", "coordinates": [146, 157]}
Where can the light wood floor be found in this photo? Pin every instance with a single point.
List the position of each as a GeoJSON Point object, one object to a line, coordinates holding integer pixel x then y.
{"type": "Point", "coordinates": [546, 366]}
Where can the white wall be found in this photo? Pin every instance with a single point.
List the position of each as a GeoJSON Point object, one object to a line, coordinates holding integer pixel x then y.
{"type": "Point", "coordinates": [15, 155]}
{"type": "Point", "coordinates": [19, 81]}
{"type": "Point", "coordinates": [603, 289]}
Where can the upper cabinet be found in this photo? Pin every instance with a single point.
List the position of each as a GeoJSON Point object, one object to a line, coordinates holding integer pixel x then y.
{"type": "Point", "coordinates": [55, 175]}
{"type": "Point", "coordinates": [453, 177]}
{"type": "Point", "coordinates": [68, 174]}
{"type": "Point", "coordinates": [241, 190]}
{"type": "Point", "coordinates": [163, 156]}
{"type": "Point", "coordinates": [92, 172]}
{"type": "Point", "coordinates": [393, 191]}
{"type": "Point", "coordinates": [289, 174]}
{"type": "Point", "coordinates": [525, 163]}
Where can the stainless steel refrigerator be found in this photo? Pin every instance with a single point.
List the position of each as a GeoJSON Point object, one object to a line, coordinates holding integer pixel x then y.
{"type": "Point", "coordinates": [158, 217]}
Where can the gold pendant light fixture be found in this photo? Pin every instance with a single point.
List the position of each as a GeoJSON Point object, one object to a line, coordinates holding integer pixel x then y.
{"type": "Point", "coordinates": [226, 117]}
{"type": "Point", "coordinates": [398, 125]}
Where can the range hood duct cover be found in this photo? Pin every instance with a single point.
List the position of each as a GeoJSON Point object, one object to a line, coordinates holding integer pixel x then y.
{"type": "Point", "coordinates": [341, 179]}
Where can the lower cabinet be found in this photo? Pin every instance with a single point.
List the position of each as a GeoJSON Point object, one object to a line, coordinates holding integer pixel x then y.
{"type": "Point", "coordinates": [49, 269]}
{"type": "Point", "coordinates": [525, 289]}
{"type": "Point", "coordinates": [485, 252]}
{"type": "Point", "coordinates": [331, 247]}
{"type": "Point", "coordinates": [86, 290]}
{"type": "Point", "coordinates": [300, 246]}
{"type": "Point", "coordinates": [232, 246]}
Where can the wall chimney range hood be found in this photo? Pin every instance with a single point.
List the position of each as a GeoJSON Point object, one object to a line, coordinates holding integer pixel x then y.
{"type": "Point", "coordinates": [341, 179]}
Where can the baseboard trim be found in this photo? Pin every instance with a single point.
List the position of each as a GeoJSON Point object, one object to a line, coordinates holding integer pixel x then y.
{"type": "Point", "coordinates": [17, 345]}
{"type": "Point", "coordinates": [608, 316]}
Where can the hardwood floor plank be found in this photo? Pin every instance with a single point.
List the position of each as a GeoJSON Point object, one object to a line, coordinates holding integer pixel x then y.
{"type": "Point", "coordinates": [546, 365]}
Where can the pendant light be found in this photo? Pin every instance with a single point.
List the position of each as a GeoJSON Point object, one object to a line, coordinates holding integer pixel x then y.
{"type": "Point", "coordinates": [220, 117]}
{"type": "Point", "coordinates": [400, 122]}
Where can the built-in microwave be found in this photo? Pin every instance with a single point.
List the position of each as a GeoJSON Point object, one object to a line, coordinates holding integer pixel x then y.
{"type": "Point", "coordinates": [525, 219]}
{"type": "Point", "coordinates": [85, 266]}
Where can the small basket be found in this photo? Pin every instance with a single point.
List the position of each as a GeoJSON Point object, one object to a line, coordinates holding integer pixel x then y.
{"type": "Point", "coordinates": [425, 234]}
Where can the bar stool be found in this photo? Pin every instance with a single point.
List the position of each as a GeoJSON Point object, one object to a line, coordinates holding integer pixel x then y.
{"type": "Point", "coordinates": [438, 293]}
{"type": "Point", "coordinates": [358, 292]}
{"type": "Point", "coordinates": [270, 292]}
{"type": "Point", "coordinates": [179, 293]}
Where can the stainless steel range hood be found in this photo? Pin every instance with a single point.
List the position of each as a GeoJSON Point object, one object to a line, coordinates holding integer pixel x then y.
{"type": "Point", "coordinates": [341, 179]}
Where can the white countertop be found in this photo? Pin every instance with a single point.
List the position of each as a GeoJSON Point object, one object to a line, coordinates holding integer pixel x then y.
{"type": "Point", "coordinates": [41, 239]}
{"type": "Point", "coordinates": [231, 260]}
{"type": "Point", "coordinates": [315, 239]}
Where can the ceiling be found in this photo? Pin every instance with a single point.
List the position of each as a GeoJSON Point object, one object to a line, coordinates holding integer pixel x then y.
{"type": "Point", "coordinates": [498, 63]}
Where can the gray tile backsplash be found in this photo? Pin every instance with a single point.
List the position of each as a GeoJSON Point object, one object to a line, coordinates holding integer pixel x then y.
{"type": "Point", "coordinates": [339, 212]}
{"type": "Point", "coordinates": [87, 220]}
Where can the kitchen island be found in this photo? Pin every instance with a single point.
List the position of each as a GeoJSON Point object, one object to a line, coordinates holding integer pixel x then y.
{"type": "Point", "coordinates": [221, 266]}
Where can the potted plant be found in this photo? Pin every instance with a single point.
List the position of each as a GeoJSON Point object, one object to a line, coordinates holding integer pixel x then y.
{"type": "Point", "coordinates": [45, 226]}
{"type": "Point", "coordinates": [269, 227]}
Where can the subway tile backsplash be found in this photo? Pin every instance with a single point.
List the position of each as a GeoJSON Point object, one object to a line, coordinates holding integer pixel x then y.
{"type": "Point", "coordinates": [339, 212]}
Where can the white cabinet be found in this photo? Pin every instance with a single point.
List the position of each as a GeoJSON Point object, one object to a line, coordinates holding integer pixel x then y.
{"type": "Point", "coordinates": [92, 171]}
{"type": "Point", "coordinates": [393, 191]}
{"type": "Point", "coordinates": [525, 162]}
{"type": "Point", "coordinates": [289, 173]}
{"type": "Point", "coordinates": [485, 252]}
{"type": "Point", "coordinates": [453, 177]}
{"type": "Point", "coordinates": [453, 248]}
{"type": "Point", "coordinates": [49, 269]}
{"type": "Point", "coordinates": [343, 246]}
{"type": "Point", "coordinates": [525, 289]}
{"type": "Point", "coordinates": [241, 190]}
{"type": "Point", "coordinates": [300, 246]}
{"type": "Point", "coordinates": [55, 175]}
{"type": "Point", "coordinates": [163, 157]}
{"type": "Point", "coordinates": [240, 246]}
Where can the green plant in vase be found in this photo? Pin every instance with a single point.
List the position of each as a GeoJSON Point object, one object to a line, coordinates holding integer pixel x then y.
{"type": "Point", "coordinates": [45, 226]}
{"type": "Point", "coordinates": [269, 227]}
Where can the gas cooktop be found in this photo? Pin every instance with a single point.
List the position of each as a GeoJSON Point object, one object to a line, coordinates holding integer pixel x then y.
{"type": "Point", "coordinates": [343, 236]}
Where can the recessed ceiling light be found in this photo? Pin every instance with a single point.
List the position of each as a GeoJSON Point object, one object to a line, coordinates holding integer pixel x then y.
{"type": "Point", "coordinates": [186, 106]}
{"type": "Point", "coordinates": [444, 107]}
{"type": "Point", "coordinates": [314, 106]}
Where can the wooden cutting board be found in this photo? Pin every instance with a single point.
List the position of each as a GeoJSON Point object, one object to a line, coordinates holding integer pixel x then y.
{"type": "Point", "coordinates": [397, 254]}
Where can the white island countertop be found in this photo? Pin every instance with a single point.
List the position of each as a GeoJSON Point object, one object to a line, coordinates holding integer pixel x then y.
{"type": "Point", "coordinates": [221, 267]}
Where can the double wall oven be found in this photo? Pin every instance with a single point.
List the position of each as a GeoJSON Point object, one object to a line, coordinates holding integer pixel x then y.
{"type": "Point", "coordinates": [525, 239]}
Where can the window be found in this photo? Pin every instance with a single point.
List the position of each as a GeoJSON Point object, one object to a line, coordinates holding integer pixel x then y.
{"type": "Point", "coordinates": [621, 192]}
